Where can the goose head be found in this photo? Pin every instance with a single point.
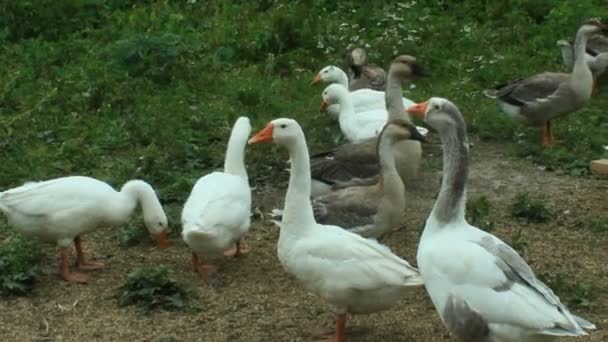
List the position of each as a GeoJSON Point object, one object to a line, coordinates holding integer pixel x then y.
{"type": "Point", "coordinates": [281, 131]}
{"type": "Point", "coordinates": [357, 57]}
{"type": "Point", "coordinates": [405, 67]}
{"type": "Point", "coordinates": [593, 26]}
{"type": "Point", "coordinates": [438, 112]}
{"type": "Point", "coordinates": [329, 74]}
{"type": "Point", "coordinates": [562, 43]}
{"type": "Point", "coordinates": [156, 222]}
{"type": "Point", "coordinates": [333, 94]}
{"type": "Point", "coordinates": [400, 129]}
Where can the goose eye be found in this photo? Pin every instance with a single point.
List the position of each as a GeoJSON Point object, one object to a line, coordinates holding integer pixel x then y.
{"type": "Point", "coordinates": [283, 126]}
{"type": "Point", "coordinates": [436, 107]}
{"type": "Point", "coordinates": [325, 72]}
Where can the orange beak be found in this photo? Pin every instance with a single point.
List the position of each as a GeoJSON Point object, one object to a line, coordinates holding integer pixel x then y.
{"type": "Point", "coordinates": [161, 239]}
{"type": "Point", "coordinates": [418, 109]}
{"type": "Point", "coordinates": [264, 135]}
{"type": "Point", "coordinates": [324, 106]}
{"type": "Point", "coordinates": [315, 80]}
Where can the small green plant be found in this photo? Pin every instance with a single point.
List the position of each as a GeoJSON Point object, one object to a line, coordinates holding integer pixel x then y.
{"type": "Point", "coordinates": [18, 266]}
{"type": "Point", "coordinates": [519, 242]}
{"type": "Point", "coordinates": [530, 209]}
{"type": "Point", "coordinates": [575, 293]}
{"type": "Point", "coordinates": [599, 224]}
{"type": "Point", "coordinates": [478, 213]}
{"type": "Point", "coordinates": [132, 235]}
{"type": "Point", "coordinates": [153, 287]}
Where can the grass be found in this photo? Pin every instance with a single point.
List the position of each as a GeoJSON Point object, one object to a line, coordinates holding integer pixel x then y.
{"type": "Point", "coordinates": [19, 268]}
{"type": "Point", "coordinates": [573, 292]}
{"type": "Point", "coordinates": [529, 209]}
{"type": "Point", "coordinates": [599, 224]}
{"type": "Point", "coordinates": [519, 242]}
{"type": "Point", "coordinates": [479, 212]}
{"type": "Point", "coordinates": [153, 288]}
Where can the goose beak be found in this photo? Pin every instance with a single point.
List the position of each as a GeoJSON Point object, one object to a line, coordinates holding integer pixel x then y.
{"type": "Point", "coordinates": [161, 239]}
{"type": "Point", "coordinates": [418, 109]}
{"type": "Point", "coordinates": [418, 70]}
{"type": "Point", "coordinates": [315, 80]}
{"type": "Point", "coordinates": [264, 135]}
{"type": "Point", "coordinates": [323, 106]}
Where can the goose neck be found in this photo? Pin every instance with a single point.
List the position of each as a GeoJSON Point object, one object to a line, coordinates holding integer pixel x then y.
{"type": "Point", "coordinates": [297, 212]}
{"type": "Point", "coordinates": [234, 162]}
{"type": "Point", "coordinates": [342, 78]}
{"type": "Point", "coordinates": [450, 204]}
{"type": "Point", "coordinates": [394, 97]}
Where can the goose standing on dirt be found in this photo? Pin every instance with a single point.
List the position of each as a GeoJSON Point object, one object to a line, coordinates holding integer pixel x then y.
{"type": "Point", "coordinates": [217, 213]}
{"type": "Point", "coordinates": [362, 99]}
{"type": "Point", "coordinates": [352, 164]}
{"type": "Point", "coordinates": [353, 274]}
{"type": "Point", "coordinates": [362, 74]}
{"type": "Point", "coordinates": [539, 99]}
{"type": "Point", "coordinates": [482, 289]}
{"type": "Point", "coordinates": [62, 210]}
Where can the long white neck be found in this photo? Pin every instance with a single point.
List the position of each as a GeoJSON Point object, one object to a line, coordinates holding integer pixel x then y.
{"type": "Point", "coordinates": [347, 111]}
{"type": "Point", "coordinates": [450, 204]}
{"type": "Point", "coordinates": [297, 213]}
{"type": "Point", "coordinates": [567, 55]}
{"type": "Point", "coordinates": [582, 79]}
{"type": "Point", "coordinates": [138, 191]}
{"type": "Point", "coordinates": [342, 78]}
{"type": "Point", "coordinates": [389, 176]}
{"type": "Point", "coordinates": [234, 162]}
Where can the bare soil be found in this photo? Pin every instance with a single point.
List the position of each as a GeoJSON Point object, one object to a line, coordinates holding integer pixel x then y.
{"type": "Point", "coordinates": [253, 299]}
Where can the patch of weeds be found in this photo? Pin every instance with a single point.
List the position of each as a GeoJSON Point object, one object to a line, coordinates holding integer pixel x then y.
{"type": "Point", "coordinates": [519, 242]}
{"type": "Point", "coordinates": [599, 224]}
{"type": "Point", "coordinates": [18, 266]}
{"type": "Point", "coordinates": [530, 209]}
{"type": "Point", "coordinates": [478, 213]}
{"type": "Point", "coordinates": [151, 288]}
{"type": "Point", "coordinates": [574, 293]}
{"type": "Point", "coordinates": [132, 235]}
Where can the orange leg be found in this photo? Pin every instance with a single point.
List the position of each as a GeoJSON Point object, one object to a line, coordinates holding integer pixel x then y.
{"type": "Point", "coordinates": [200, 267]}
{"type": "Point", "coordinates": [81, 261]}
{"type": "Point", "coordinates": [64, 268]}
{"type": "Point", "coordinates": [239, 249]}
{"type": "Point", "coordinates": [340, 335]}
{"type": "Point", "coordinates": [547, 134]}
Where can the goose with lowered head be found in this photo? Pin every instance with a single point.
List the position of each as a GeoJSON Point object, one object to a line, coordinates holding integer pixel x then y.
{"type": "Point", "coordinates": [541, 98]}
{"type": "Point", "coordinates": [362, 74]}
{"type": "Point", "coordinates": [352, 163]}
{"type": "Point", "coordinates": [62, 210]}
{"type": "Point", "coordinates": [353, 274]}
{"type": "Point", "coordinates": [482, 289]}
{"type": "Point", "coordinates": [217, 213]}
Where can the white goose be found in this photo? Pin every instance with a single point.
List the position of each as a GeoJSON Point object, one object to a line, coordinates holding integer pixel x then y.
{"type": "Point", "coordinates": [353, 274]}
{"type": "Point", "coordinates": [217, 213]}
{"type": "Point", "coordinates": [363, 99]}
{"type": "Point", "coordinates": [482, 289]}
{"type": "Point", "coordinates": [63, 209]}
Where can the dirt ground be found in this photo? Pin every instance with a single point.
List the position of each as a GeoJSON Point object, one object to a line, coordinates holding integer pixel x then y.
{"type": "Point", "coordinates": [253, 299]}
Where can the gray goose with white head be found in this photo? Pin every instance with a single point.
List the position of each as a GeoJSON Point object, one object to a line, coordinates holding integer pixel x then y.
{"type": "Point", "coordinates": [363, 75]}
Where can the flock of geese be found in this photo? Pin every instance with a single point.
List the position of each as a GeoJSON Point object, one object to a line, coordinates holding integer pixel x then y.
{"type": "Point", "coordinates": [339, 202]}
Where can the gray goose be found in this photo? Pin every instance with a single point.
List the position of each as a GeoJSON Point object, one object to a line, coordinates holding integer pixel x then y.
{"type": "Point", "coordinates": [353, 164]}
{"type": "Point", "coordinates": [596, 55]}
{"type": "Point", "coordinates": [539, 99]}
{"type": "Point", "coordinates": [371, 210]}
{"type": "Point", "coordinates": [363, 75]}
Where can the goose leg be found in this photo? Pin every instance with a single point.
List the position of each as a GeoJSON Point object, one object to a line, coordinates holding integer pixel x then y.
{"type": "Point", "coordinates": [81, 261]}
{"type": "Point", "coordinates": [64, 268]}
{"type": "Point", "coordinates": [547, 133]}
{"type": "Point", "coordinates": [200, 267]}
{"type": "Point", "coordinates": [551, 137]}
{"type": "Point", "coordinates": [238, 249]}
{"type": "Point", "coordinates": [340, 328]}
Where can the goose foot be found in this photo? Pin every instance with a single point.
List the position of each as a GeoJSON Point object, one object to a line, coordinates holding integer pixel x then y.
{"type": "Point", "coordinates": [340, 335]}
{"type": "Point", "coordinates": [81, 260]}
{"type": "Point", "coordinates": [202, 268]}
{"type": "Point", "coordinates": [238, 249]}
{"type": "Point", "coordinates": [64, 268]}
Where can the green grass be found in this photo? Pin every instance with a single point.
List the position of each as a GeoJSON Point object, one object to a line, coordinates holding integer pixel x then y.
{"type": "Point", "coordinates": [576, 294]}
{"type": "Point", "coordinates": [128, 89]}
{"type": "Point", "coordinates": [479, 213]}
{"type": "Point", "coordinates": [19, 259]}
{"type": "Point", "coordinates": [599, 224]}
{"type": "Point", "coordinates": [529, 209]}
{"type": "Point", "coordinates": [153, 288]}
